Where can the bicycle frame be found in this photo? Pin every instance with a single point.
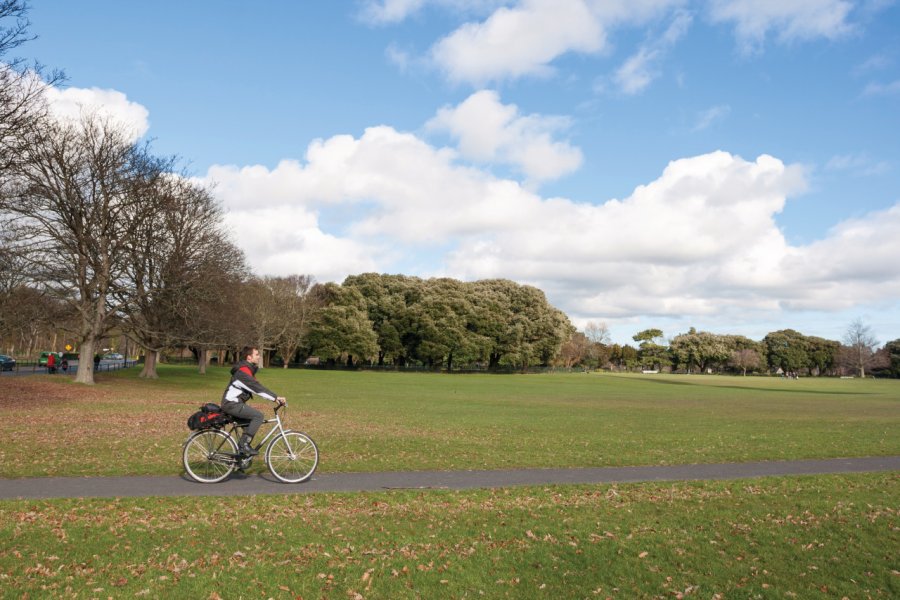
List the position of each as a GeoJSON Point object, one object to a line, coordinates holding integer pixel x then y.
{"type": "Point", "coordinates": [279, 428]}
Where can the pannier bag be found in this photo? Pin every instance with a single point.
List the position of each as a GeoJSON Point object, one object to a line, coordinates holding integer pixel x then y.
{"type": "Point", "coordinates": [209, 416]}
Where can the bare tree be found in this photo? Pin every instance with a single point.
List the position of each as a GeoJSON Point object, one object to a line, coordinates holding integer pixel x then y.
{"type": "Point", "coordinates": [299, 306]}
{"type": "Point", "coordinates": [597, 333]}
{"type": "Point", "coordinates": [76, 206]}
{"type": "Point", "coordinates": [599, 337]}
{"type": "Point", "coordinates": [744, 359]}
{"type": "Point", "coordinates": [574, 350]}
{"type": "Point", "coordinates": [282, 308]}
{"type": "Point", "coordinates": [173, 255]}
{"type": "Point", "coordinates": [859, 347]}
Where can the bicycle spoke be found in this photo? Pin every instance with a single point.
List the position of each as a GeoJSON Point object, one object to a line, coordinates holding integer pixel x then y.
{"type": "Point", "coordinates": [207, 458]}
{"type": "Point", "coordinates": [292, 457]}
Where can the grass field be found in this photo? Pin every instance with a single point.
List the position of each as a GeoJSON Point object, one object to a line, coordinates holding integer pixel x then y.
{"type": "Point", "coordinates": [398, 421]}
{"type": "Point", "coordinates": [792, 537]}
{"type": "Point", "coordinates": [798, 537]}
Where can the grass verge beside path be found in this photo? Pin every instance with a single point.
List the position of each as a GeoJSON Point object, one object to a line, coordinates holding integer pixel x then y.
{"type": "Point", "coordinates": [795, 537]}
{"type": "Point", "coordinates": [365, 421]}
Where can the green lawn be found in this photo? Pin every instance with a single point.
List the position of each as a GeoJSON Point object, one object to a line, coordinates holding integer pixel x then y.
{"type": "Point", "coordinates": [791, 537]}
{"type": "Point", "coordinates": [369, 421]}
{"type": "Point", "coordinates": [795, 537]}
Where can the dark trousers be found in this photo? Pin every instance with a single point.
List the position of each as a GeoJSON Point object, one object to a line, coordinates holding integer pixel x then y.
{"type": "Point", "coordinates": [244, 412]}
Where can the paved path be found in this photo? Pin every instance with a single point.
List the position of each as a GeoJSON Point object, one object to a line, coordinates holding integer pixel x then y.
{"type": "Point", "coordinates": [240, 485]}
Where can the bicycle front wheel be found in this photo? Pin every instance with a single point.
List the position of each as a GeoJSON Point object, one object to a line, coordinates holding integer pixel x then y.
{"type": "Point", "coordinates": [209, 456]}
{"type": "Point", "coordinates": [292, 457]}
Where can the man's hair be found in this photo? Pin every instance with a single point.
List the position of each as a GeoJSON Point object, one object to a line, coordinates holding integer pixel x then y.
{"type": "Point", "coordinates": [247, 351]}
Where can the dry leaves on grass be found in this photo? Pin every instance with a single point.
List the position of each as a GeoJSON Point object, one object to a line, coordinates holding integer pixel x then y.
{"type": "Point", "coordinates": [90, 430]}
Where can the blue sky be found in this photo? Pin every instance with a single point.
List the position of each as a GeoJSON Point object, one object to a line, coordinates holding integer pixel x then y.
{"type": "Point", "coordinates": [730, 165]}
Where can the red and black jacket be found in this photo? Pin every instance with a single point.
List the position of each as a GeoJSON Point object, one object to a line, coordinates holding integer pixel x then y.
{"type": "Point", "coordinates": [243, 384]}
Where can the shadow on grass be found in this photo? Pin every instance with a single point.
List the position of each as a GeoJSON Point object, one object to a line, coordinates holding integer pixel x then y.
{"type": "Point", "coordinates": [759, 389]}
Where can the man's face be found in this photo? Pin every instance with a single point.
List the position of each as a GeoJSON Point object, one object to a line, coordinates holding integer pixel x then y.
{"type": "Point", "coordinates": [254, 357]}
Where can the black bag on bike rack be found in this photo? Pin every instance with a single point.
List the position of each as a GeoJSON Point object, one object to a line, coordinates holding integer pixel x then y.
{"type": "Point", "coordinates": [209, 416]}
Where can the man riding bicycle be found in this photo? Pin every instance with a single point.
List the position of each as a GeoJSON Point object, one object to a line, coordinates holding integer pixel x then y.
{"type": "Point", "coordinates": [242, 387]}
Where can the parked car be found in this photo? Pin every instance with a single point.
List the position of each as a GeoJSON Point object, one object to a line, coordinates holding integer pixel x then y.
{"type": "Point", "coordinates": [113, 356]}
{"type": "Point", "coordinates": [7, 363]}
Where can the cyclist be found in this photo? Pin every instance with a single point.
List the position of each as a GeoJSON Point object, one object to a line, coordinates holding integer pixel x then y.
{"type": "Point", "coordinates": [242, 387]}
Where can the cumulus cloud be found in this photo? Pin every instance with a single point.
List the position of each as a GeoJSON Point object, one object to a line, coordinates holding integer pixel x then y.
{"type": "Point", "coordinates": [788, 20]}
{"type": "Point", "coordinates": [288, 239]}
{"type": "Point", "coordinates": [524, 39]}
{"type": "Point", "coordinates": [71, 103]}
{"type": "Point", "coordinates": [492, 132]}
{"type": "Point", "coordinates": [518, 41]}
{"type": "Point", "coordinates": [701, 239]}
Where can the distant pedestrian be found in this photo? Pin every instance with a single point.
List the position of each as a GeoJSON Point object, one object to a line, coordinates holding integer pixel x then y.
{"type": "Point", "coordinates": [96, 361]}
{"type": "Point", "coordinates": [64, 365]}
{"type": "Point", "coordinates": [51, 363]}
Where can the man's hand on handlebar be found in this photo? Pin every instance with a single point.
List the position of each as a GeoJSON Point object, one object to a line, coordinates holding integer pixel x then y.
{"type": "Point", "coordinates": [280, 401]}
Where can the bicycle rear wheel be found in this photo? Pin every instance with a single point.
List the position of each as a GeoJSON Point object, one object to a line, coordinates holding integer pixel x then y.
{"type": "Point", "coordinates": [292, 457]}
{"type": "Point", "coordinates": [209, 456]}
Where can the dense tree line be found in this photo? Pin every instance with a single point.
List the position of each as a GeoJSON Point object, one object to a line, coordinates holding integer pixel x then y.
{"type": "Point", "coordinates": [787, 352]}
{"type": "Point", "coordinates": [439, 323]}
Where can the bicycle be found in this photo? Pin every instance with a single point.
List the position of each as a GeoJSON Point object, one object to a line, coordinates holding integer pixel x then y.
{"type": "Point", "coordinates": [211, 455]}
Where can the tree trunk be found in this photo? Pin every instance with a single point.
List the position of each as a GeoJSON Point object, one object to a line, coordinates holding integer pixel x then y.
{"type": "Point", "coordinates": [151, 357]}
{"type": "Point", "coordinates": [85, 372]}
{"type": "Point", "coordinates": [202, 359]}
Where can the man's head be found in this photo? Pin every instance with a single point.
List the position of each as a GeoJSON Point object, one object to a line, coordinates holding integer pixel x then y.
{"type": "Point", "coordinates": [250, 354]}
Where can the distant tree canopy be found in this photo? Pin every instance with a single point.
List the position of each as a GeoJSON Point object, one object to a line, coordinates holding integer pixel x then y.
{"type": "Point", "coordinates": [787, 351]}
{"type": "Point", "coordinates": [400, 320]}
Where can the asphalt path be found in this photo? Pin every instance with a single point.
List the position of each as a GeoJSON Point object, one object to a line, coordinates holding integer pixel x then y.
{"type": "Point", "coordinates": [248, 485]}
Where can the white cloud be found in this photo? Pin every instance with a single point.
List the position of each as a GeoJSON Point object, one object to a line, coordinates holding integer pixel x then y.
{"type": "Point", "coordinates": [492, 132]}
{"type": "Point", "coordinates": [287, 239]}
{"type": "Point", "coordinates": [876, 62]}
{"type": "Point", "coordinates": [701, 239]}
{"type": "Point", "coordinates": [789, 20]}
{"type": "Point", "coordinates": [381, 12]}
{"type": "Point", "coordinates": [398, 57]}
{"type": "Point", "coordinates": [390, 11]}
{"type": "Point", "coordinates": [524, 39]}
{"type": "Point", "coordinates": [711, 116]}
{"type": "Point", "coordinates": [882, 89]}
{"type": "Point", "coordinates": [860, 165]}
{"type": "Point", "coordinates": [519, 41]}
{"type": "Point", "coordinates": [70, 103]}
{"type": "Point", "coordinates": [639, 71]}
